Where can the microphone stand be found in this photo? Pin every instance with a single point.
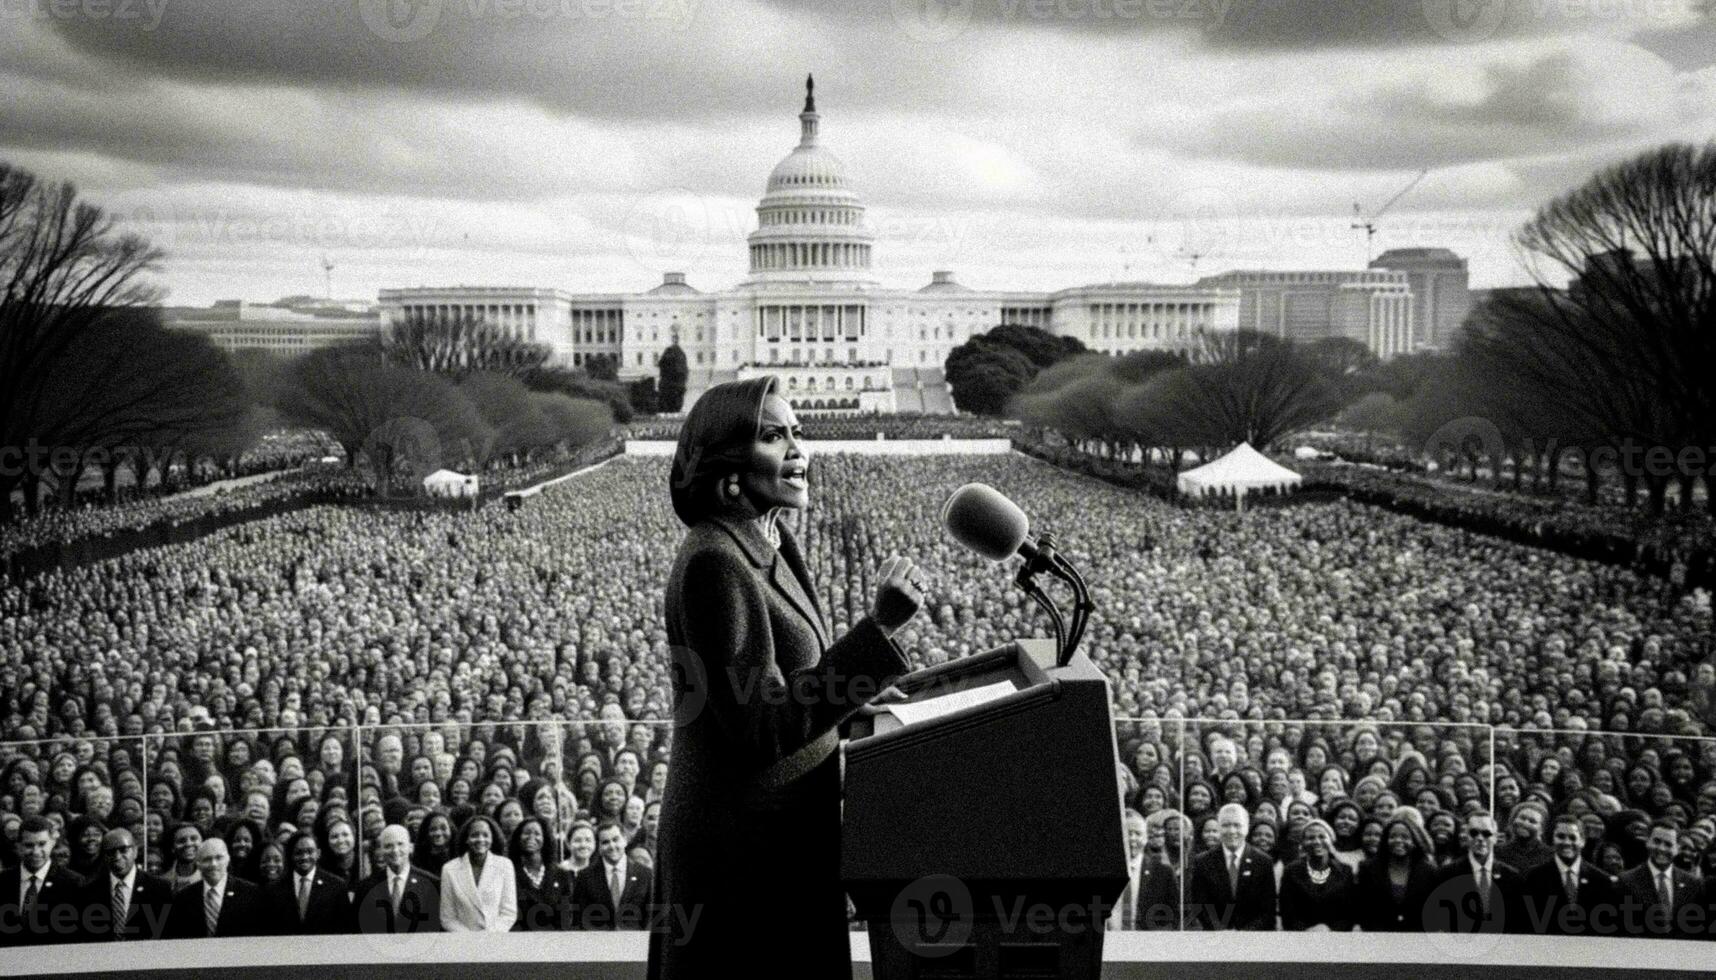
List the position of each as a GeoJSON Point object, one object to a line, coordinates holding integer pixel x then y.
{"type": "Point", "coordinates": [1043, 558]}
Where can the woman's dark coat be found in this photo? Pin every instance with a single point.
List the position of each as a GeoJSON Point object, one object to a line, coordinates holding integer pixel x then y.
{"type": "Point", "coordinates": [748, 873]}
{"type": "Point", "coordinates": [1373, 895]}
{"type": "Point", "coordinates": [1305, 903]}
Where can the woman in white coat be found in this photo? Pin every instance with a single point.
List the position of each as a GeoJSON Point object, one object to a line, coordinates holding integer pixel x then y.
{"type": "Point", "coordinates": [479, 892]}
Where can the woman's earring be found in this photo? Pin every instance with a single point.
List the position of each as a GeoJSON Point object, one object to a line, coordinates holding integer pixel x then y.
{"type": "Point", "coordinates": [732, 488]}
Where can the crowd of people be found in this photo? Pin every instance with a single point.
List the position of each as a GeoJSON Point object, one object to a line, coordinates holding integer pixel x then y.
{"type": "Point", "coordinates": [1680, 544]}
{"type": "Point", "coordinates": [863, 427]}
{"type": "Point", "coordinates": [375, 697]}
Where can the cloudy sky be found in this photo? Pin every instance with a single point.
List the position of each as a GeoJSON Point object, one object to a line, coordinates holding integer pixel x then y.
{"type": "Point", "coordinates": [593, 144]}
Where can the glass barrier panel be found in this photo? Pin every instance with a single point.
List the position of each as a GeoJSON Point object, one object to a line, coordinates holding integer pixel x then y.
{"type": "Point", "coordinates": [86, 788]}
{"type": "Point", "coordinates": [1629, 805]}
{"type": "Point", "coordinates": [1350, 782]}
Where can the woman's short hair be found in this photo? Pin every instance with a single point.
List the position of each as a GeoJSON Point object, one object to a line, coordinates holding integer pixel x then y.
{"type": "Point", "coordinates": [1322, 825]}
{"type": "Point", "coordinates": [497, 843]}
{"type": "Point", "coordinates": [714, 443]}
{"type": "Point", "coordinates": [518, 832]}
{"type": "Point", "coordinates": [1420, 840]}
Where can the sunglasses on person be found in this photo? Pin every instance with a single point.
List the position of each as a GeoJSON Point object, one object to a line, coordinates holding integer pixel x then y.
{"type": "Point", "coordinates": [1480, 833]}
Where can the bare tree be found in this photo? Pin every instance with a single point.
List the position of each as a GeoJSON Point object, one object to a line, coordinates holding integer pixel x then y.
{"type": "Point", "coordinates": [458, 344]}
{"type": "Point", "coordinates": [65, 267]}
{"type": "Point", "coordinates": [1627, 353]}
{"type": "Point", "coordinates": [405, 422]}
{"type": "Point", "coordinates": [127, 382]}
{"type": "Point", "coordinates": [515, 420]}
{"type": "Point", "coordinates": [1251, 387]}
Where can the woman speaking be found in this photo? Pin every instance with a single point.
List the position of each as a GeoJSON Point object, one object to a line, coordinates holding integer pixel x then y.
{"type": "Point", "coordinates": [748, 876]}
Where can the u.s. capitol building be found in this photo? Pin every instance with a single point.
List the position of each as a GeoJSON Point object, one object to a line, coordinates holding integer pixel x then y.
{"type": "Point", "coordinates": [810, 311]}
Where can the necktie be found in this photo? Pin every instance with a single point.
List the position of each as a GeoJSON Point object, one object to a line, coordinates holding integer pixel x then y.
{"type": "Point", "coordinates": [614, 884]}
{"type": "Point", "coordinates": [30, 894]}
{"type": "Point", "coordinates": [211, 906]}
{"type": "Point", "coordinates": [303, 896]}
{"type": "Point", "coordinates": [1484, 889]}
{"type": "Point", "coordinates": [1571, 885]}
{"type": "Point", "coordinates": [1664, 890]}
{"type": "Point", "coordinates": [398, 891]}
{"type": "Point", "coordinates": [121, 899]}
{"type": "Point", "coordinates": [1233, 873]}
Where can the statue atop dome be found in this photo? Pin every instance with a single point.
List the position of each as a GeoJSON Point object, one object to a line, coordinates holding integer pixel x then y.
{"type": "Point", "coordinates": [807, 119]}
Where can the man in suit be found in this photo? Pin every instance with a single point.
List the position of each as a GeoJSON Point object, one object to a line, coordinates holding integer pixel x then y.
{"type": "Point", "coordinates": [307, 901]}
{"type": "Point", "coordinates": [38, 902]}
{"type": "Point", "coordinates": [595, 902]}
{"type": "Point", "coordinates": [1151, 897]}
{"type": "Point", "coordinates": [1477, 893]}
{"type": "Point", "coordinates": [1233, 886]}
{"type": "Point", "coordinates": [1567, 896]}
{"type": "Point", "coordinates": [1658, 892]}
{"type": "Point", "coordinates": [217, 904]}
{"type": "Point", "coordinates": [123, 901]}
{"type": "Point", "coordinates": [397, 897]}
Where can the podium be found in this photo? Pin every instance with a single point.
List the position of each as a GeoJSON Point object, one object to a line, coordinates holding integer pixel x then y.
{"type": "Point", "coordinates": [982, 837]}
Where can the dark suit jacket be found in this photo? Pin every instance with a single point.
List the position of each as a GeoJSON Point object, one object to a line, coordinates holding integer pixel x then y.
{"type": "Point", "coordinates": [242, 912]}
{"type": "Point", "coordinates": [544, 907]}
{"type": "Point", "coordinates": [593, 903]}
{"type": "Point", "coordinates": [1158, 902]}
{"type": "Point", "coordinates": [419, 907]}
{"type": "Point", "coordinates": [329, 911]}
{"type": "Point", "coordinates": [1453, 904]}
{"type": "Point", "coordinates": [145, 914]}
{"type": "Point", "coordinates": [1378, 911]}
{"type": "Point", "coordinates": [1304, 904]}
{"type": "Point", "coordinates": [1550, 914]}
{"type": "Point", "coordinates": [1211, 901]}
{"type": "Point", "coordinates": [1649, 918]}
{"type": "Point", "coordinates": [757, 677]}
{"type": "Point", "coordinates": [55, 916]}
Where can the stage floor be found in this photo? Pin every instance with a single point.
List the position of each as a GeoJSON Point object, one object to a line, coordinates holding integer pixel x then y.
{"type": "Point", "coordinates": [1264, 956]}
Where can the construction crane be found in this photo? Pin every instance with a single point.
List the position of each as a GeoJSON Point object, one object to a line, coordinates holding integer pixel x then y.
{"type": "Point", "coordinates": [328, 275]}
{"type": "Point", "coordinates": [1368, 223]}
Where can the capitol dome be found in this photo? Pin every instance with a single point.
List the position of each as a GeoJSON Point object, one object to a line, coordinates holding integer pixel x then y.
{"type": "Point", "coordinates": [810, 221]}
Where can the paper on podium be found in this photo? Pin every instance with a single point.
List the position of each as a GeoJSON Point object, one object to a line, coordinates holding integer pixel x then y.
{"type": "Point", "coordinates": [912, 712]}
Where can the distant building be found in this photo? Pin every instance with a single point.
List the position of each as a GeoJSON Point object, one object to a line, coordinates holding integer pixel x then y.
{"type": "Point", "coordinates": [1441, 292]}
{"type": "Point", "coordinates": [1370, 306]}
{"type": "Point", "coordinates": [288, 326]}
{"type": "Point", "coordinates": [810, 312]}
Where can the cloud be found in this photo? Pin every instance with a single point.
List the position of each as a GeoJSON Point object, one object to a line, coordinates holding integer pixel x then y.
{"type": "Point", "coordinates": [1027, 145]}
{"type": "Point", "coordinates": [1527, 101]}
{"type": "Point", "coordinates": [1266, 25]}
{"type": "Point", "coordinates": [610, 59]}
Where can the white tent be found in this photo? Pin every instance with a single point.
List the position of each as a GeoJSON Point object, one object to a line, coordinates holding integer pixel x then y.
{"type": "Point", "coordinates": [1242, 470]}
{"type": "Point", "coordinates": [446, 483]}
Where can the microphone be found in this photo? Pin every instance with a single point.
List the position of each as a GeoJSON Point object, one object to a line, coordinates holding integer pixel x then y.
{"type": "Point", "coordinates": [982, 519]}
